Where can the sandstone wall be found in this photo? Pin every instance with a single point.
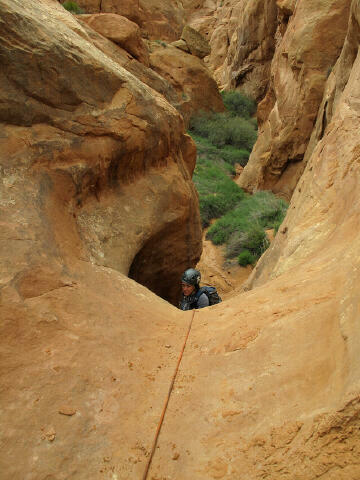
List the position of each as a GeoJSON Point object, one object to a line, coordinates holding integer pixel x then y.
{"type": "Point", "coordinates": [92, 138]}
{"type": "Point", "coordinates": [242, 38]}
{"type": "Point", "coordinates": [306, 52]}
{"type": "Point", "coordinates": [269, 386]}
{"type": "Point", "coordinates": [158, 19]}
{"type": "Point", "coordinates": [282, 374]}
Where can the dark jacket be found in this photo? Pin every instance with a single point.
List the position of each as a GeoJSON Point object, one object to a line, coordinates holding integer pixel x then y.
{"type": "Point", "coordinates": [193, 301]}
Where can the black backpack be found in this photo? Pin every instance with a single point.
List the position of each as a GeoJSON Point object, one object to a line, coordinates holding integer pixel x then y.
{"type": "Point", "coordinates": [211, 293]}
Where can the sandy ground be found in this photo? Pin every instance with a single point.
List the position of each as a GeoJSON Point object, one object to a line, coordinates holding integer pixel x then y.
{"type": "Point", "coordinates": [227, 276]}
{"type": "Point", "coordinates": [216, 271]}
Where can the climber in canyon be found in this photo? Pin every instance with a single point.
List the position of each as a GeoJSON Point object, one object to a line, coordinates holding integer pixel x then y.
{"type": "Point", "coordinates": [194, 296]}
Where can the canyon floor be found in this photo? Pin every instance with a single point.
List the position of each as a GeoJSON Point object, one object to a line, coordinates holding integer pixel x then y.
{"type": "Point", "coordinates": [215, 270]}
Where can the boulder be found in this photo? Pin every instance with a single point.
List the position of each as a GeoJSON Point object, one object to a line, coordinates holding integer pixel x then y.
{"type": "Point", "coordinates": [196, 89]}
{"type": "Point", "coordinates": [196, 42]}
{"type": "Point", "coordinates": [97, 132]}
{"type": "Point", "coordinates": [158, 19]}
{"type": "Point", "coordinates": [120, 30]}
{"type": "Point", "coordinates": [182, 45]}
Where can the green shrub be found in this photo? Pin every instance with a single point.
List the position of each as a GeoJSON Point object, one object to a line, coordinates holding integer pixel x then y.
{"type": "Point", "coordinates": [241, 133]}
{"type": "Point", "coordinates": [231, 135]}
{"type": "Point", "coordinates": [253, 239]}
{"type": "Point", "coordinates": [244, 227]}
{"type": "Point", "coordinates": [238, 103]}
{"type": "Point", "coordinates": [223, 130]}
{"type": "Point", "coordinates": [217, 191]}
{"type": "Point", "coordinates": [234, 155]}
{"type": "Point", "coordinates": [246, 258]}
{"type": "Point", "coordinates": [72, 7]}
{"type": "Point", "coordinates": [162, 43]}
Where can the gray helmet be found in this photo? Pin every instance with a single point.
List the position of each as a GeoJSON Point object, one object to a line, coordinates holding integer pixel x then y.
{"type": "Point", "coordinates": [191, 277]}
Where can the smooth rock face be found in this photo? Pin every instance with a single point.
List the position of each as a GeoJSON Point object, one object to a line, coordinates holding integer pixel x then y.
{"type": "Point", "coordinates": [120, 30]}
{"type": "Point", "coordinates": [283, 378]}
{"type": "Point", "coordinates": [191, 79]}
{"type": "Point", "coordinates": [303, 60]}
{"type": "Point", "coordinates": [269, 385]}
{"type": "Point", "coordinates": [93, 135]}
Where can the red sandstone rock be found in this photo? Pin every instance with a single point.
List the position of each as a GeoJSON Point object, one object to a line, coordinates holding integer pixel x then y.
{"type": "Point", "coordinates": [196, 89]}
{"type": "Point", "coordinates": [269, 383]}
{"type": "Point", "coordinates": [158, 19]}
{"type": "Point", "coordinates": [305, 54]}
{"type": "Point", "coordinates": [121, 31]}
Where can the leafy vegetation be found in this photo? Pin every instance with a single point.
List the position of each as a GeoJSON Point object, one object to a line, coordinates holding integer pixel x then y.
{"type": "Point", "coordinates": [238, 104]}
{"type": "Point", "coordinates": [218, 193]}
{"type": "Point", "coordinates": [232, 133]}
{"type": "Point", "coordinates": [72, 7]}
{"type": "Point", "coordinates": [246, 258]}
{"type": "Point", "coordinates": [222, 140]}
{"type": "Point", "coordinates": [243, 228]}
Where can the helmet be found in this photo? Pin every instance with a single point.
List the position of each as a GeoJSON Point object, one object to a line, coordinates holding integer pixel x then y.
{"type": "Point", "coordinates": [191, 277]}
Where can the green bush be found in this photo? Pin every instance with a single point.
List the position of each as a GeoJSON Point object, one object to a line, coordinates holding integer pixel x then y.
{"type": "Point", "coordinates": [239, 104]}
{"type": "Point", "coordinates": [231, 135]}
{"type": "Point", "coordinates": [217, 191]}
{"type": "Point", "coordinates": [254, 239]}
{"type": "Point", "coordinates": [72, 7]}
{"type": "Point", "coordinates": [244, 227]}
{"type": "Point", "coordinates": [246, 258]}
{"type": "Point", "coordinates": [234, 155]}
{"type": "Point", "coordinates": [222, 129]}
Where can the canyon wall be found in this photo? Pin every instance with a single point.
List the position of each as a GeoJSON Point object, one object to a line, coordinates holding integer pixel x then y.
{"type": "Point", "coordinates": [90, 135]}
{"type": "Point", "coordinates": [95, 185]}
{"type": "Point", "coordinates": [308, 47]}
{"type": "Point", "coordinates": [279, 363]}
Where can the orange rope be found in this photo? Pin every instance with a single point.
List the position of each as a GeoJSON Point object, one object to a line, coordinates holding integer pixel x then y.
{"type": "Point", "coordinates": [167, 401]}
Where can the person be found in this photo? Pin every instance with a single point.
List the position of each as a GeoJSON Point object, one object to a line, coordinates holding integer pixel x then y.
{"type": "Point", "coordinates": [190, 284]}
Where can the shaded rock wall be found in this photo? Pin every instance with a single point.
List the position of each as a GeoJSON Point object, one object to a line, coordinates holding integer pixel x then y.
{"type": "Point", "coordinates": [242, 38]}
{"type": "Point", "coordinates": [93, 137]}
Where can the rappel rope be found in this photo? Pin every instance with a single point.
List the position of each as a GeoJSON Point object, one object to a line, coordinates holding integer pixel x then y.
{"type": "Point", "coordinates": [167, 401]}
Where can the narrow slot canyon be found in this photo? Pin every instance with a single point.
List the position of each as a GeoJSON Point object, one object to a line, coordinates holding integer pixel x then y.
{"type": "Point", "coordinates": [99, 217]}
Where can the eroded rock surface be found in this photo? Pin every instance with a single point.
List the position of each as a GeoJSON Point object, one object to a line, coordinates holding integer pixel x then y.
{"type": "Point", "coordinates": [306, 52]}
{"type": "Point", "coordinates": [92, 136]}
{"type": "Point", "coordinates": [197, 44]}
{"type": "Point", "coordinates": [120, 30]}
{"type": "Point", "coordinates": [269, 386]}
{"type": "Point", "coordinates": [158, 19]}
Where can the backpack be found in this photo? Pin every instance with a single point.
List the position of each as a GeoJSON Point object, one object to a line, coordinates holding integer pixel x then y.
{"type": "Point", "coordinates": [211, 293]}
